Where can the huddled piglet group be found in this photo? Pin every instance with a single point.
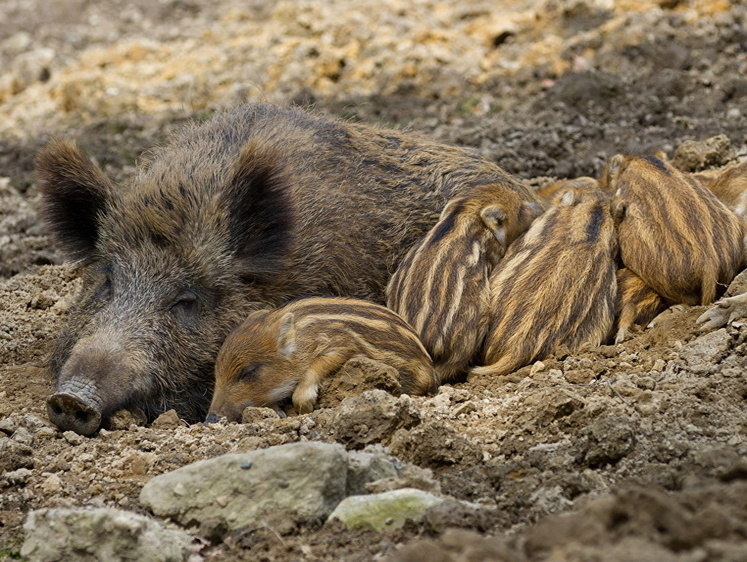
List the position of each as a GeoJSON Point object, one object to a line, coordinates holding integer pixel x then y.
{"type": "Point", "coordinates": [498, 283]}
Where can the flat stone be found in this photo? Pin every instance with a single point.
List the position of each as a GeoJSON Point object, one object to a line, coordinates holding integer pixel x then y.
{"type": "Point", "coordinates": [299, 482]}
{"type": "Point", "coordinates": [387, 510]}
{"type": "Point", "coordinates": [100, 534]}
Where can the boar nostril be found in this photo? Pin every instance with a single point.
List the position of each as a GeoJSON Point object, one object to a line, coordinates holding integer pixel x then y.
{"type": "Point", "coordinates": [211, 418]}
{"type": "Point", "coordinates": [70, 411]}
{"type": "Point", "coordinates": [82, 417]}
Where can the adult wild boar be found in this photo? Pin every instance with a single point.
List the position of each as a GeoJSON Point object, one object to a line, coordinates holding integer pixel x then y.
{"type": "Point", "coordinates": [254, 208]}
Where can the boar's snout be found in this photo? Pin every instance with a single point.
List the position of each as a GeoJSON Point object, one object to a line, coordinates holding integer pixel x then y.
{"type": "Point", "coordinates": [70, 411]}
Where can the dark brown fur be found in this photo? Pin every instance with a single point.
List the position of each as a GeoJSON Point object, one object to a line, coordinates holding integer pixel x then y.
{"type": "Point", "coordinates": [675, 235]}
{"type": "Point", "coordinates": [253, 208]}
{"type": "Point", "coordinates": [556, 285]}
{"type": "Point", "coordinates": [441, 287]}
{"type": "Point", "coordinates": [286, 352]}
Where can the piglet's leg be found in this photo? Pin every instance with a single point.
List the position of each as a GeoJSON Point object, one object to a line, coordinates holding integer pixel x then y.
{"type": "Point", "coordinates": [637, 303]}
{"type": "Point", "coordinates": [724, 311]}
{"type": "Point", "coordinates": [307, 390]}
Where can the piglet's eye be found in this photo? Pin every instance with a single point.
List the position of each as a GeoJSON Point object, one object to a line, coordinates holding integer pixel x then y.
{"type": "Point", "coordinates": [249, 372]}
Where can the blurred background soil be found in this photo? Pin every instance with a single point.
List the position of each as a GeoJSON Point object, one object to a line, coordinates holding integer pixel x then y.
{"type": "Point", "coordinates": [628, 452]}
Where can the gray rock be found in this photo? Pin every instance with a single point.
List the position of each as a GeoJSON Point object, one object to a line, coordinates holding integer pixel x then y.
{"type": "Point", "coordinates": [364, 468]}
{"type": "Point", "coordinates": [703, 353]}
{"type": "Point", "coordinates": [8, 425]}
{"type": "Point", "coordinates": [297, 482]}
{"type": "Point", "coordinates": [22, 436]}
{"type": "Point", "coordinates": [18, 477]}
{"type": "Point", "coordinates": [388, 510]}
{"type": "Point", "coordinates": [100, 534]}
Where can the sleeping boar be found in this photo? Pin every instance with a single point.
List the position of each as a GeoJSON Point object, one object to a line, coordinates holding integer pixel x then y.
{"type": "Point", "coordinates": [251, 209]}
{"type": "Point", "coordinates": [287, 352]}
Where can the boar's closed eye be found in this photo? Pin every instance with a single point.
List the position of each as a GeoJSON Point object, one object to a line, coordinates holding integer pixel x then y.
{"type": "Point", "coordinates": [184, 306]}
{"type": "Point", "coordinates": [249, 372]}
{"type": "Point", "coordinates": [104, 291]}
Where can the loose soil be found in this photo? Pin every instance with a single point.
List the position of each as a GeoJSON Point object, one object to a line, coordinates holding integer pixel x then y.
{"type": "Point", "coordinates": [627, 452]}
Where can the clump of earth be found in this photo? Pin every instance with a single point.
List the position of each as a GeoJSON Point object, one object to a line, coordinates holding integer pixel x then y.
{"type": "Point", "coordinates": [625, 452]}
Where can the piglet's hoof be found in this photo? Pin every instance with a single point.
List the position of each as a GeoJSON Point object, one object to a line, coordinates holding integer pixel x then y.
{"type": "Point", "coordinates": [724, 312]}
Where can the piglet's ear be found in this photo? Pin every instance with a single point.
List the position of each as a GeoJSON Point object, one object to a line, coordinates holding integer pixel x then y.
{"type": "Point", "coordinates": [611, 172]}
{"type": "Point", "coordinates": [75, 193]}
{"type": "Point", "coordinates": [494, 217]}
{"type": "Point", "coordinates": [287, 334]}
{"type": "Point", "coordinates": [569, 198]}
{"type": "Point", "coordinates": [618, 207]}
{"type": "Point", "coordinates": [527, 213]}
{"type": "Point", "coordinates": [261, 213]}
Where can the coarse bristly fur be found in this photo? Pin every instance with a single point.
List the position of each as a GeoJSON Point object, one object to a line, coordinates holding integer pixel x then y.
{"type": "Point", "coordinates": [637, 303]}
{"type": "Point", "coordinates": [250, 209]}
{"type": "Point", "coordinates": [286, 352]}
{"type": "Point", "coordinates": [728, 185]}
{"type": "Point", "coordinates": [441, 287]}
{"type": "Point", "coordinates": [675, 235]}
{"type": "Point", "coordinates": [556, 285]}
{"type": "Point", "coordinates": [548, 193]}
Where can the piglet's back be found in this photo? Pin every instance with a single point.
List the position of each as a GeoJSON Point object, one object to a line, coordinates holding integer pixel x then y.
{"type": "Point", "coordinates": [556, 286]}
{"type": "Point", "coordinates": [675, 235]}
{"type": "Point", "coordinates": [369, 329]}
{"type": "Point", "coordinates": [441, 286]}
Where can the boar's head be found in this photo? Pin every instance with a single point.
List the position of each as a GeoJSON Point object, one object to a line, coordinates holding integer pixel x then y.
{"type": "Point", "coordinates": [172, 263]}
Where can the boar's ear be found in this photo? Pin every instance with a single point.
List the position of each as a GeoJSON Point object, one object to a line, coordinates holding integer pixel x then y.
{"type": "Point", "coordinates": [287, 334]}
{"type": "Point", "coordinates": [74, 194]}
{"type": "Point", "coordinates": [260, 212]}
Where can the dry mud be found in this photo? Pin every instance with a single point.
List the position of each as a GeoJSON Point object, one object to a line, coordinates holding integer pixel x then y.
{"type": "Point", "coordinates": [627, 452]}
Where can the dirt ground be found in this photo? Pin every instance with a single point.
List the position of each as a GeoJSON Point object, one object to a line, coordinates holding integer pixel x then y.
{"type": "Point", "coordinates": [629, 452]}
